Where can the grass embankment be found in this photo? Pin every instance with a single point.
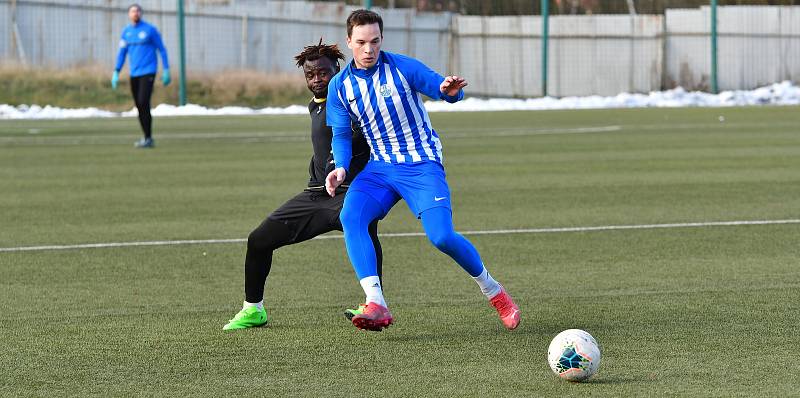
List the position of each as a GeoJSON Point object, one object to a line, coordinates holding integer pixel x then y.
{"type": "Point", "coordinates": [91, 87]}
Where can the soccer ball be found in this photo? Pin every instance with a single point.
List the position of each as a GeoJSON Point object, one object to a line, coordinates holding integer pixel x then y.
{"type": "Point", "coordinates": [574, 355]}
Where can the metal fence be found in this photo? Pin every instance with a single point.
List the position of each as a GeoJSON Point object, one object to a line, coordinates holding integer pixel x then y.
{"type": "Point", "coordinates": [756, 46]}
{"type": "Point", "coordinates": [248, 34]}
{"type": "Point", "coordinates": [588, 54]}
{"type": "Point", "coordinates": [604, 54]}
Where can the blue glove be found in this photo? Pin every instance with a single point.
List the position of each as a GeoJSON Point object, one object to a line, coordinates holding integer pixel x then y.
{"type": "Point", "coordinates": [114, 80]}
{"type": "Point", "coordinates": [165, 77]}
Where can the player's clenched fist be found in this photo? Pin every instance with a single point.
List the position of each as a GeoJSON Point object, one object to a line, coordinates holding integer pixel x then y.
{"type": "Point", "coordinates": [334, 179]}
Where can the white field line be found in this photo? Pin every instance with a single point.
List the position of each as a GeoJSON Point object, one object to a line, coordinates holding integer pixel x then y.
{"type": "Point", "coordinates": [279, 136]}
{"type": "Point", "coordinates": [411, 234]}
{"type": "Point", "coordinates": [508, 133]}
{"type": "Point", "coordinates": [40, 138]}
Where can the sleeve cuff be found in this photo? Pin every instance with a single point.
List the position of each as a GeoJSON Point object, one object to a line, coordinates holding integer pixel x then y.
{"type": "Point", "coordinates": [454, 98]}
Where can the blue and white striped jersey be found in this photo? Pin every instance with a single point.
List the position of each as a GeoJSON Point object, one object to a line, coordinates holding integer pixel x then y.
{"type": "Point", "coordinates": [386, 102]}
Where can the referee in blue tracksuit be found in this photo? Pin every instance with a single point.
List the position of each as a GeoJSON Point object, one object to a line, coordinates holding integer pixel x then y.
{"type": "Point", "coordinates": [141, 40]}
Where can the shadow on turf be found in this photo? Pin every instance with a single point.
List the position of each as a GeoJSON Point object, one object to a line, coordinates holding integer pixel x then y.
{"type": "Point", "coordinates": [614, 380]}
{"type": "Point", "coordinates": [414, 333]}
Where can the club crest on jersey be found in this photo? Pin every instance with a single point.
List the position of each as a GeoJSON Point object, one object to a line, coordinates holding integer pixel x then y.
{"type": "Point", "coordinates": [385, 90]}
{"type": "Point", "coordinates": [142, 35]}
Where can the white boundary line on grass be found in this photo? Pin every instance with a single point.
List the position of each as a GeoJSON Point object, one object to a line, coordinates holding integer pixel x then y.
{"type": "Point", "coordinates": [409, 234]}
{"type": "Point", "coordinates": [289, 136]}
{"type": "Point", "coordinates": [282, 136]}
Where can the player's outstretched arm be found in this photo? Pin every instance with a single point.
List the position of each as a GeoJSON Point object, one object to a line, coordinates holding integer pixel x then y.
{"type": "Point", "coordinates": [428, 82]}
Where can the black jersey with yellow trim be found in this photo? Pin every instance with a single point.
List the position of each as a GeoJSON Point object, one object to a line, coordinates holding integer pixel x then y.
{"type": "Point", "coordinates": [322, 161]}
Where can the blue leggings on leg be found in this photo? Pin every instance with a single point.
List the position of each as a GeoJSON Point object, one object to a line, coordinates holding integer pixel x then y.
{"type": "Point", "coordinates": [359, 211]}
{"type": "Point", "coordinates": [438, 224]}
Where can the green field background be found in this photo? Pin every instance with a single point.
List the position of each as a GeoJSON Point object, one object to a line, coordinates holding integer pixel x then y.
{"type": "Point", "coordinates": [704, 311]}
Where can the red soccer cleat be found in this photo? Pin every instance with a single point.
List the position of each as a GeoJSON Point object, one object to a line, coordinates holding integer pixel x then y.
{"type": "Point", "coordinates": [508, 311]}
{"type": "Point", "coordinates": [373, 317]}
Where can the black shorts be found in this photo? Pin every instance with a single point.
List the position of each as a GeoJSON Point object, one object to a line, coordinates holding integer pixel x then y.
{"type": "Point", "coordinates": [309, 214]}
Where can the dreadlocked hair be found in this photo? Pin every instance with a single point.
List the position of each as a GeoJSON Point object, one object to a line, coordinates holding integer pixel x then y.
{"type": "Point", "coordinates": [315, 52]}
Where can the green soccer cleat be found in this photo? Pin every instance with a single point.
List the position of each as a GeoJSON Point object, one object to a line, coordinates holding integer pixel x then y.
{"type": "Point", "coordinates": [350, 313]}
{"type": "Point", "coordinates": [249, 317]}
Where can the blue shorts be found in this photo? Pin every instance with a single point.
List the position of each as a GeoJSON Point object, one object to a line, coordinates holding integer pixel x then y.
{"type": "Point", "coordinates": [422, 185]}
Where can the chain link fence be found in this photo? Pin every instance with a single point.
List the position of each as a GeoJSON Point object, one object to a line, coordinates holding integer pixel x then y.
{"type": "Point", "coordinates": [556, 7]}
{"type": "Point", "coordinates": [501, 55]}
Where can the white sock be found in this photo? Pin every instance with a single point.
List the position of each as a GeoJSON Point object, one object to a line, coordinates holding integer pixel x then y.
{"type": "Point", "coordinates": [489, 286]}
{"type": "Point", "coordinates": [259, 305]}
{"type": "Point", "coordinates": [372, 288]}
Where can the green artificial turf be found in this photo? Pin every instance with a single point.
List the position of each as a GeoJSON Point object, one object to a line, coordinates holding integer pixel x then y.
{"type": "Point", "coordinates": [684, 311]}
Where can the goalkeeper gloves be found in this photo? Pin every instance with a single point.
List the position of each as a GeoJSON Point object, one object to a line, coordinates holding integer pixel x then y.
{"type": "Point", "coordinates": [165, 77]}
{"type": "Point", "coordinates": [115, 79]}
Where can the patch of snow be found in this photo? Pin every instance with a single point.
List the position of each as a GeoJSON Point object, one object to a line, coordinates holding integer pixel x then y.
{"type": "Point", "coordinates": [784, 93]}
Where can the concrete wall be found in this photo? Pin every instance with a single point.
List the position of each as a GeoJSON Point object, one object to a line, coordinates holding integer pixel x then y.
{"type": "Point", "coordinates": [756, 46]}
{"type": "Point", "coordinates": [501, 56]}
{"type": "Point", "coordinates": [603, 54]}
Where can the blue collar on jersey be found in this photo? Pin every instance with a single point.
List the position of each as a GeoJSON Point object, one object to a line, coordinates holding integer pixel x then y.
{"type": "Point", "coordinates": [364, 73]}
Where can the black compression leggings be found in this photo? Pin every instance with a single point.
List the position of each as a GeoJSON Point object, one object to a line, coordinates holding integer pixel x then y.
{"type": "Point", "coordinates": [271, 235]}
{"type": "Point", "coordinates": [142, 89]}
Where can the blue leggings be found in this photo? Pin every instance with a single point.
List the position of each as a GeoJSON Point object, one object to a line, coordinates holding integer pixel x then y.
{"type": "Point", "coordinates": [360, 210]}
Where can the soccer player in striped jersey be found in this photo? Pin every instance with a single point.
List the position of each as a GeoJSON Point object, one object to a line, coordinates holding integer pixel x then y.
{"type": "Point", "coordinates": [382, 92]}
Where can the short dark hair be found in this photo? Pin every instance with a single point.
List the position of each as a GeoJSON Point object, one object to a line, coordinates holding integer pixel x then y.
{"type": "Point", "coordinates": [138, 7]}
{"type": "Point", "coordinates": [363, 17]}
{"type": "Point", "coordinates": [315, 52]}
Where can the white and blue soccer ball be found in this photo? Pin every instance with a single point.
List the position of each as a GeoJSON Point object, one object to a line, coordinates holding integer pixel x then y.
{"type": "Point", "coordinates": [574, 355]}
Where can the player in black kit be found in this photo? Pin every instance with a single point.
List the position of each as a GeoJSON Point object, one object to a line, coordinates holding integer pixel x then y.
{"type": "Point", "coordinates": [312, 212]}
